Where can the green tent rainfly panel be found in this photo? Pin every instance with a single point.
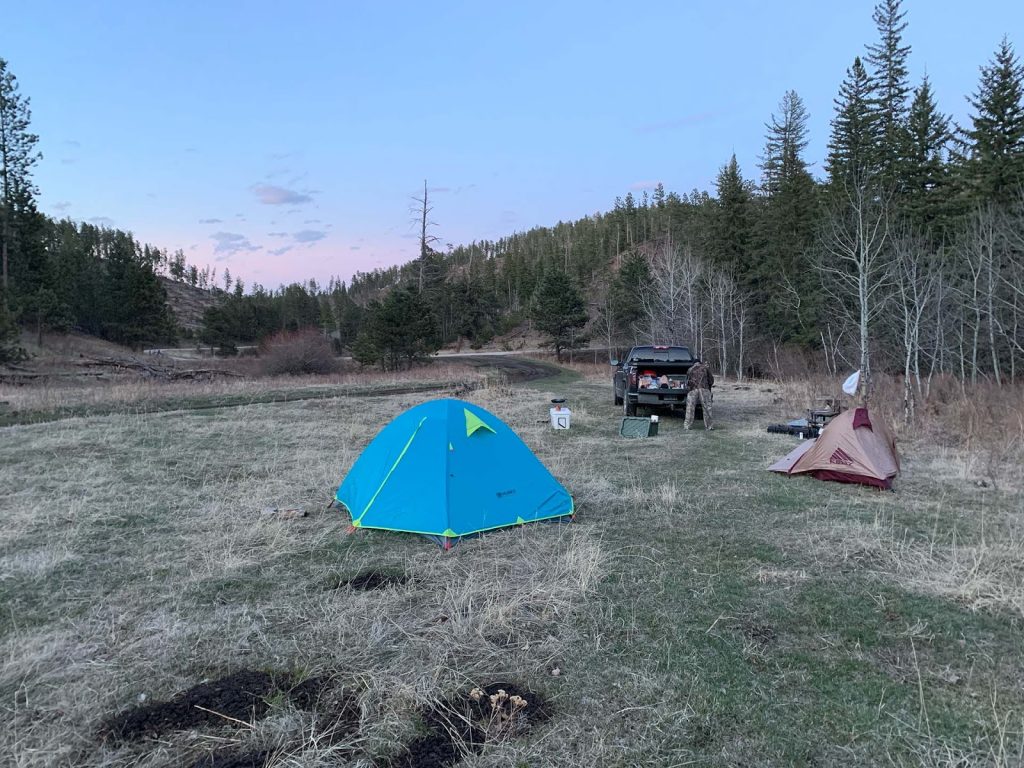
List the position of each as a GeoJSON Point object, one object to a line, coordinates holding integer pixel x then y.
{"type": "Point", "coordinates": [638, 426]}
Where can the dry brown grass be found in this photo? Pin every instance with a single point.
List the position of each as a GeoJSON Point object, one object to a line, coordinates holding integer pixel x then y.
{"type": "Point", "coordinates": [978, 429]}
{"type": "Point", "coordinates": [140, 567]}
{"type": "Point", "coordinates": [957, 448]}
{"type": "Point", "coordinates": [129, 391]}
{"type": "Point", "coordinates": [700, 610]}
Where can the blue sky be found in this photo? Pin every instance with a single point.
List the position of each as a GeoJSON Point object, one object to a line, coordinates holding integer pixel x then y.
{"type": "Point", "coordinates": [286, 140]}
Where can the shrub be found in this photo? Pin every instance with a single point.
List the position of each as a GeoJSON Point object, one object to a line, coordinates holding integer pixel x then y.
{"type": "Point", "coordinates": [305, 351]}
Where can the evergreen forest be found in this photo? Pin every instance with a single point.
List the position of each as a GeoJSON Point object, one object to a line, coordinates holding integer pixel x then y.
{"type": "Point", "coordinates": [905, 254]}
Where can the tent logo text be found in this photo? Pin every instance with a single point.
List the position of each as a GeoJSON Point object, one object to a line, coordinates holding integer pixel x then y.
{"type": "Point", "coordinates": [839, 456]}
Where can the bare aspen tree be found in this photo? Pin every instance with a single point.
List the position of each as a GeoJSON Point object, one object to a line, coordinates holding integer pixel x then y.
{"type": "Point", "coordinates": [670, 303]}
{"type": "Point", "coordinates": [688, 301]}
{"type": "Point", "coordinates": [854, 262]}
{"type": "Point", "coordinates": [720, 289]}
{"type": "Point", "coordinates": [727, 313]}
{"type": "Point", "coordinates": [976, 250]}
{"type": "Point", "coordinates": [914, 279]}
{"type": "Point", "coordinates": [832, 343]}
{"type": "Point", "coordinates": [937, 345]}
{"type": "Point", "coordinates": [691, 269]}
{"type": "Point", "coordinates": [792, 296]}
{"type": "Point", "coordinates": [740, 315]}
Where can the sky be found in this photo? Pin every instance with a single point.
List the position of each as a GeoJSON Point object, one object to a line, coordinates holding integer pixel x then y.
{"type": "Point", "coordinates": [286, 141]}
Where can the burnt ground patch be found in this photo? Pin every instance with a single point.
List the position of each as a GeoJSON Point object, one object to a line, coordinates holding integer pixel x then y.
{"type": "Point", "coordinates": [338, 716]}
{"type": "Point", "coordinates": [374, 578]}
{"type": "Point", "coordinates": [466, 723]}
{"type": "Point", "coordinates": [241, 695]}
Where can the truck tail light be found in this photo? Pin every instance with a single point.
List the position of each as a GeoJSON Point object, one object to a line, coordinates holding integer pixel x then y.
{"type": "Point", "coordinates": [632, 377]}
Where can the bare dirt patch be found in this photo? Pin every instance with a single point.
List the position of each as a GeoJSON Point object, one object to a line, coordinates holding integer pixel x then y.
{"type": "Point", "coordinates": [241, 697]}
{"type": "Point", "coordinates": [369, 580]}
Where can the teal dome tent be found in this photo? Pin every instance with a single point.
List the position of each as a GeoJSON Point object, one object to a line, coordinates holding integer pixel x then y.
{"type": "Point", "coordinates": [447, 469]}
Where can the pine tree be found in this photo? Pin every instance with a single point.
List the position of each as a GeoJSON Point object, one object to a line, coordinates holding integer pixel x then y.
{"type": "Point", "coordinates": [47, 312]}
{"type": "Point", "coordinates": [785, 303]}
{"type": "Point", "coordinates": [177, 266]}
{"type": "Point", "coordinates": [852, 149]}
{"type": "Point", "coordinates": [629, 214]}
{"type": "Point", "coordinates": [10, 349]}
{"type": "Point", "coordinates": [17, 156]}
{"type": "Point", "coordinates": [403, 328]}
{"type": "Point", "coordinates": [733, 219]}
{"type": "Point", "coordinates": [625, 296]}
{"type": "Point", "coordinates": [658, 199]}
{"type": "Point", "coordinates": [889, 90]}
{"type": "Point", "coordinates": [787, 138]}
{"type": "Point", "coordinates": [994, 167]}
{"type": "Point", "coordinates": [926, 175]}
{"type": "Point", "coordinates": [221, 327]}
{"type": "Point", "coordinates": [558, 310]}
{"type": "Point", "coordinates": [135, 303]}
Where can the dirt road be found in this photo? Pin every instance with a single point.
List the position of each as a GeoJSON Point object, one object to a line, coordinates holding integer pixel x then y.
{"type": "Point", "coordinates": [514, 367]}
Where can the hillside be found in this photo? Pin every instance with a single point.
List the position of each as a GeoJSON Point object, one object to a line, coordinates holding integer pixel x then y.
{"type": "Point", "coordinates": [188, 302]}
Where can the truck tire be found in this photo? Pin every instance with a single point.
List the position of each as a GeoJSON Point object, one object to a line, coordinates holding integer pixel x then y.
{"type": "Point", "coordinates": [628, 408]}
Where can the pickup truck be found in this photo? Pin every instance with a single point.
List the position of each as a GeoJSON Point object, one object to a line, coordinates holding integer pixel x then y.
{"type": "Point", "coordinates": [653, 377]}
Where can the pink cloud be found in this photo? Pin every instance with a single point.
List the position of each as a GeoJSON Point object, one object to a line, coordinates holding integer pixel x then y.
{"type": "Point", "coordinates": [271, 194]}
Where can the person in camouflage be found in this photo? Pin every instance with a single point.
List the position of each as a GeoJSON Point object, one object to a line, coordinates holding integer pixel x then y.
{"type": "Point", "coordinates": [698, 383]}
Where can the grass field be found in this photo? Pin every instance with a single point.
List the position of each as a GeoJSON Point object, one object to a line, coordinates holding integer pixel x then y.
{"type": "Point", "coordinates": [699, 611]}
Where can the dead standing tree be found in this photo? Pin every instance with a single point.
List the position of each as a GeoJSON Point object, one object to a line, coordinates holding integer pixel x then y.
{"type": "Point", "coordinates": [854, 259]}
{"type": "Point", "coordinates": [421, 210]}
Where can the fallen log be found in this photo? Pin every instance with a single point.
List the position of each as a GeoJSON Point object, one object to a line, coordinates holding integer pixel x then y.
{"type": "Point", "coordinates": [195, 373]}
{"type": "Point", "coordinates": [128, 365]}
{"type": "Point", "coordinates": [29, 377]}
{"type": "Point", "coordinates": [155, 371]}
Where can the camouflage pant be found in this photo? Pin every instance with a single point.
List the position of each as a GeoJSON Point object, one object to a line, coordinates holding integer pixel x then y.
{"type": "Point", "coordinates": [702, 396]}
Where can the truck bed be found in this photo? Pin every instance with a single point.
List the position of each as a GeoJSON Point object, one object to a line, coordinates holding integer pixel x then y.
{"type": "Point", "coordinates": [655, 377]}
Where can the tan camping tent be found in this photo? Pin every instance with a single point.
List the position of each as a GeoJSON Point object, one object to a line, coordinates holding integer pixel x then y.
{"type": "Point", "coordinates": [851, 449]}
